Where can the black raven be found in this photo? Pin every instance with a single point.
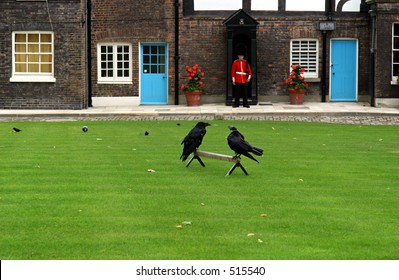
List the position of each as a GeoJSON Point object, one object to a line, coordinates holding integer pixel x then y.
{"type": "Point", "coordinates": [193, 139]}
{"type": "Point", "coordinates": [16, 129]}
{"type": "Point", "coordinates": [238, 144]}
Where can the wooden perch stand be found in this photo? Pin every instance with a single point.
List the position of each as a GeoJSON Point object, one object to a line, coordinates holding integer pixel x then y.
{"type": "Point", "coordinates": [236, 160]}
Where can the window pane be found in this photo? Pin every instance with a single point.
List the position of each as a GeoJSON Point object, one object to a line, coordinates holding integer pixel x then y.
{"type": "Point", "coordinates": [46, 58]}
{"type": "Point", "coordinates": [33, 68]}
{"type": "Point", "coordinates": [154, 69]}
{"type": "Point", "coordinates": [33, 38]}
{"type": "Point", "coordinates": [217, 5]}
{"type": "Point", "coordinates": [396, 43]}
{"type": "Point", "coordinates": [146, 59]}
{"type": "Point", "coordinates": [45, 48]}
{"type": "Point", "coordinates": [45, 38]}
{"type": "Point", "coordinates": [20, 37]}
{"type": "Point", "coordinates": [396, 29]}
{"type": "Point", "coordinates": [20, 67]}
{"type": "Point", "coordinates": [153, 59]}
{"type": "Point", "coordinates": [305, 5]}
{"type": "Point", "coordinates": [262, 5]}
{"type": "Point", "coordinates": [120, 73]}
{"type": "Point", "coordinates": [46, 68]}
{"type": "Point", "coordinates": [103, 73]}
{"type": "Point", "coordinates": [126, 73]}
{"type": "Point", "coordinates": [396, 57]}
{"type": "Point", "coordinates": [33, 48]}
{"type": "Point", "coordinates": [20, 48]}
{"type": "Point", "coordinates": [395, 70]}
{"type": "Point", "coordinates": [20, 58]}
{"type": "Point", "coordinates": [350, 6]}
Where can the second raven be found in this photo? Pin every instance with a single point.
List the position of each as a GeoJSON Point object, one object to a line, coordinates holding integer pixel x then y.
{"type": "Point", "coordinates": [193, 139]}
{"type": "Point", "coordinates": [238, 144]}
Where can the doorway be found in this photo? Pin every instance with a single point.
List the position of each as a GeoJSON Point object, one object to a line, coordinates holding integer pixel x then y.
{"type": "Point", "coordinates": [154, 74]}
{"type": "Point", "coordinates": [343, 70]}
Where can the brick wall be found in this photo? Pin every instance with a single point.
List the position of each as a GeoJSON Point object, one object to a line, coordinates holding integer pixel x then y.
{"type": "Point", "coordinates": [387, 14]}
{"type": "Point", "coordinates": [207, 36]}
{"type": "Point", "coordinates": [68, 92]}
{"type": "Point", "coordinates": [133, 22]}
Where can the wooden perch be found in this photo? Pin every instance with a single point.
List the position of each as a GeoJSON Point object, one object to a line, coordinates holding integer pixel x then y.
{"type": "Point", "coordinates": [236, 160]}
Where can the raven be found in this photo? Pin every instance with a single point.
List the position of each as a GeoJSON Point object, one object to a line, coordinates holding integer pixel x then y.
{"type": "Point", "coordinates": [193, 139]}
{"type": "Point", "coordinates": [238, 144]}
{"type": "Point", "coordinates": [16, 129]}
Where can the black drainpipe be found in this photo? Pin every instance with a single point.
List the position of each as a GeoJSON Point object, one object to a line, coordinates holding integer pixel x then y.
{"type": "Point", "coordinates": [88, 54]}
{"type": "Point", "coordinates": [176, 52]}
{"type": "Point", "coordinates": [373, 15]}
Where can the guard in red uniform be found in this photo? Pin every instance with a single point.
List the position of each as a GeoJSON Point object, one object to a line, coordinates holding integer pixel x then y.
{"type": "Point", "coordinates": [241, 74]}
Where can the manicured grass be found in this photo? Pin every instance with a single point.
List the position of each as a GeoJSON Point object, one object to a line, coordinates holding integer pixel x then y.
{"type": "Point", "coordinates": [325, 191]}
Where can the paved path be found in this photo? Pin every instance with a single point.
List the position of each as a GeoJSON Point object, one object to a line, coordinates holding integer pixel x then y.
{"type": "Point", "coordinates": [349, 113]}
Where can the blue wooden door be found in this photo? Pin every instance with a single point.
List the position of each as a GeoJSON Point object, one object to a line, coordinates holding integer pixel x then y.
{"type": "Point", "coordinates": [343, 71]}
{"type": "Point", "coordinates": [154, 74]}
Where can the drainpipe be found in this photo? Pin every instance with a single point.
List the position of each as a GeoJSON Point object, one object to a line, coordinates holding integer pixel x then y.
{"type": "Point", "coordinates": [373, 15]}
{"type": "Point", "coordinates": [176, 52]}
{"type": "Point", "coordinates": [88, 54]}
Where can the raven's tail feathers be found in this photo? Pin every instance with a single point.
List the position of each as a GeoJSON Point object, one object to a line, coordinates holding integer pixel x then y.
{"type": "Point", "coordinates": [257, 151]}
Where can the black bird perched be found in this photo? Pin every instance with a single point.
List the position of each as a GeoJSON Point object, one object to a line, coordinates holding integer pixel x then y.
{"type": "Point", "coordinates": [193, 139]}
{"type": "Point", "coordinates": [238, 144]}
{"type": "Point", "coordinates": [16, 129]}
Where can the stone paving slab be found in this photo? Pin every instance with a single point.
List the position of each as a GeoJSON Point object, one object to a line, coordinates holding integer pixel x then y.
{"type": "Point", "coordinates": [346, 113]}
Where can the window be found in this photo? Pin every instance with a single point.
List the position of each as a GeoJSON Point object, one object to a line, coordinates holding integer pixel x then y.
{"type": "Point", "coordinates": [305, 5]}
{"type": "Point", "coordinates": [348, 6]}
{"type": "Point", "coordinates": [395, 51]}
{"type": "Point", "coordinates": [203, 5]}
{"type": "Point", "coordinates": [114, 63]}
{"type": "Point", "coordinates": [262, 5]}
{"type": "Point", "coordinates": [305, 53]}
{"type": "Point", "coordinates": [33, 57]}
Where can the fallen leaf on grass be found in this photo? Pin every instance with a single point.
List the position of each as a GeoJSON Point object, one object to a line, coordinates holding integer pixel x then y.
{"type": "Point", "coordinates": [263, 215]}
{"type": "Point", "coordinates": [187, 223]}
{"type": "Point", "coordinates": [300, 180]}
{"type": "Point", "coordinates": [179, 226]}
{"type": "Point", "coordinates": [260, 240]}
{"type": "Point", "coordinates": [150, 170]}
{"type": "Point", "coordinates": [250, 234]}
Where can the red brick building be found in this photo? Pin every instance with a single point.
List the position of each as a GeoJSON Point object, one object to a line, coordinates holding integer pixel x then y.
{"type": "Point", "coordinates": [75, 53]}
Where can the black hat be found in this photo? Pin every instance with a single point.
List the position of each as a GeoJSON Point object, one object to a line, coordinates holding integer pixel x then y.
{"type": "Point", "coordinates": [241, 49]}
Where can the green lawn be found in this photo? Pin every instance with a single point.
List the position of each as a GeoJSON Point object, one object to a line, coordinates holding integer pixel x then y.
{"type": "Point", "coordinates": [321, 191]}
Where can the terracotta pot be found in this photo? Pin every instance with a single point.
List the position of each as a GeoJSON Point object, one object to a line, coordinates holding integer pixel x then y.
{"type": "Point", "coordinates": [193, 98]}
{"type": "Point", "coordinates": [296, 95]}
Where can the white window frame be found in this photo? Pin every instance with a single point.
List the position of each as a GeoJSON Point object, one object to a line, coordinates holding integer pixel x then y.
{"type": "Point", "coordinates": [114, 79]}
{"type": "Point", "coordinates": [394, 77]}
{"type": "Point", "coordinates": [301, 56]}
{"type": "Point", "coordinates": [32, 76]}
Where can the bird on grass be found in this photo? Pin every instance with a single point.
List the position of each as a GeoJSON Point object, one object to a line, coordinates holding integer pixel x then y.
{"type": "Point", "coordinates": [16, 129]}
{"type": "Point", "coordinates": [238, 144]}
{"type": "Point", "coordinates": [193, 139]}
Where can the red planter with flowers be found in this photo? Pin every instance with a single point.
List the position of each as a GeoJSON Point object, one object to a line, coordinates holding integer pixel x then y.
{"type": "Point", "coordinates": [296, 95]}
{"type": "Point", "coordinates": [296, 85]}
{"type": "Point", "coordinates": [194, 88]}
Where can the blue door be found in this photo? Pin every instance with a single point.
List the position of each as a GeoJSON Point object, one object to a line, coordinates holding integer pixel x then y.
{"type": "Point", "coordinates": [154, 78]}
{"type": "Point", "coordinates": [343, 71]}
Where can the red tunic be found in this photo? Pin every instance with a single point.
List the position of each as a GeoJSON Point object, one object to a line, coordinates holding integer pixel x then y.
{"type": "Point", "coordinates": [239, 71]}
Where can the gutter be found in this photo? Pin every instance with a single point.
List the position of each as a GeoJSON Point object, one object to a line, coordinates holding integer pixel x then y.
{"type": "Point", "coordinates": [176, 57]}
{"type": "Point", "coordinates": [88, 55]}
{"type": "Point", "coordinates": [373, 15]}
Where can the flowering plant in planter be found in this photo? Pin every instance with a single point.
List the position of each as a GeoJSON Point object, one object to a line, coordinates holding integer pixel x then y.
{"type": "Point", "coordinates": [194, 76]}
{"type": "Point", "coordinates": [295, 78]}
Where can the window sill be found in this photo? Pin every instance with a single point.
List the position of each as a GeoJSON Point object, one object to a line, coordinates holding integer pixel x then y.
{"type": "Point", "coordinates": [31, 79]}
{"type": "Point", "coordinates": [115, 82]}
{"type": "Point", "coordinates": [313, 80]}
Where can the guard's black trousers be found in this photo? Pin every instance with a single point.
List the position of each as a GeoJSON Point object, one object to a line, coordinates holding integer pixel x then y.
{"type": "Point", "coordinates": [240, 91]}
